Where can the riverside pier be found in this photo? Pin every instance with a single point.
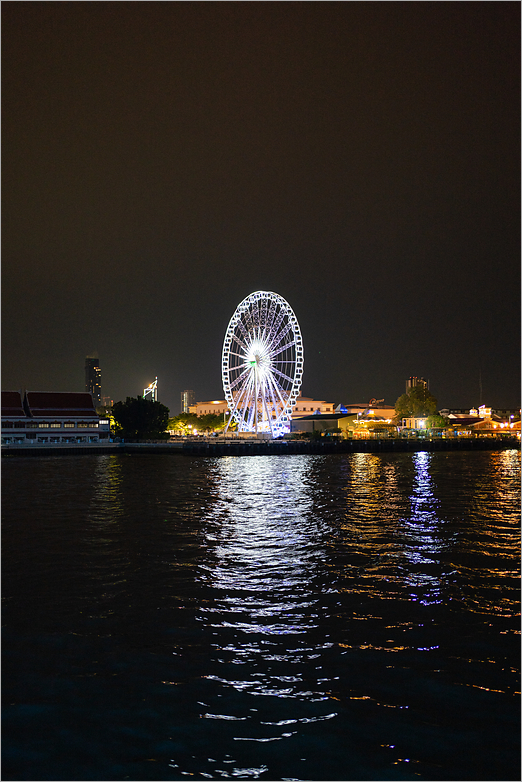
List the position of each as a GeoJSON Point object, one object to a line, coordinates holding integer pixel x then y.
{"type": "Point", "coordinates": [254, 447]}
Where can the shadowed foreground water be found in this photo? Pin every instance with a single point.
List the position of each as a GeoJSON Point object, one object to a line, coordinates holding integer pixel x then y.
{"type": "Point", "coordinates": [348, 617]}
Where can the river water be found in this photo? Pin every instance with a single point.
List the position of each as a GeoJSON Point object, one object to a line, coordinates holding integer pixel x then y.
{"type": "Point", "coordinates": [338, 617]}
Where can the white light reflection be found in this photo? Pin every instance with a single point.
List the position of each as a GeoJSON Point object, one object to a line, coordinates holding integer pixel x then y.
{"type": "Point", "coordinates": [422, 542]}
{"type": "Point", "coordinates": [265, 548]}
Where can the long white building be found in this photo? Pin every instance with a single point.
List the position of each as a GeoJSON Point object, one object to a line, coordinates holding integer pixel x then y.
{"type": "Point", "coordinates": [40, 418]}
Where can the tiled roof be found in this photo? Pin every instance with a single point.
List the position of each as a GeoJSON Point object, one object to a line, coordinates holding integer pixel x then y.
{"type": "Point", "coordinates": [60, 403]}
{"type": "Point", "coordinates": [12, 403]}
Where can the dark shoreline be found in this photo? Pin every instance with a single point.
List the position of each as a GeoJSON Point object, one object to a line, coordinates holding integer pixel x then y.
{"type": "Point", "coordinates": [260, 447]}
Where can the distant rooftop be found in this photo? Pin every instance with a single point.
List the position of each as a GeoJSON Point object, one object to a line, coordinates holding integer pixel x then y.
{"type": "Point", "coordinates": [12, 403]}
{"type": "Point", "coordinates": [41, 403]}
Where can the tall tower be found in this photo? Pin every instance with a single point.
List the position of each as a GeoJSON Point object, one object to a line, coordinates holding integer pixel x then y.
{"type": "Point", "coordinates": [188, 398]}
{"type": "Point", "coordinates": [417, 381]}
{"type": "Point", "coordinates": [93, 378]}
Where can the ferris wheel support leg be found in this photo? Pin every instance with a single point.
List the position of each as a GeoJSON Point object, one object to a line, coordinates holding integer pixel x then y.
{"type": "Point", "coordinates": [228, 424]}
{"type": "Point", "coordinates": [236, 406]}
{"type": "Point", "coordinates": [231, 416]}
{"type": "Point", "coordinates": [255, 399]}
{"type": "Point", "coordinates": [266, 411]}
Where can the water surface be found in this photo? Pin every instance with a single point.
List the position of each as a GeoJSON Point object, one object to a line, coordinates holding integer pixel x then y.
{"type": "Point", "coordinates": [342, 617]}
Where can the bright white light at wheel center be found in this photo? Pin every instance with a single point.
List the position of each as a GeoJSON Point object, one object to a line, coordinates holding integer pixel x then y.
{"type": "Point", "coordinates": [258, 355]}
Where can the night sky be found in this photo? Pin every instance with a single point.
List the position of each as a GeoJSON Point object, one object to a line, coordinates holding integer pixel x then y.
{"type": "Point", "coordinates": [161, 161]}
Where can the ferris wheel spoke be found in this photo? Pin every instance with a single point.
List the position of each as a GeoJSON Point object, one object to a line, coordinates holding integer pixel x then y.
{"type": "Point", "coordinates": [256, 315]}
{"type": "Point", "coordinates": [250, 326]}
{"type": "Point", "coordinates": [276, 387]}
{"type": "Point", "coordinates": [238, 379]}
{"type": "Point", "coordinates": [277, 323]}
{"type": "Point", "coordinates": [236, 406]}
{"type": "Point", "coordinates": [282, 374]}
{"type": "Point", "coordinates": [267, 320]}
{"type": "Point", "coordinates": [280, 350]}
{"type": "Point", "coordinates": [239, 355]}
{"type": "Point", "coordinates": [277, 404]}
{"type": "Point", "coordinates": [243, 394]}
{"type": "Point", "coordinates": [282, 334]}
{"type": "Point", "coordinates": [239, 342]}
{"type": "Point", "coordinates": [243, 330]}
{"type": "Point", "coordinates": [272, 314]}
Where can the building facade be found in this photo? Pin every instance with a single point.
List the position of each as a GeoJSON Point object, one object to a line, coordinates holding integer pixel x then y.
{"type": "Point", "coordinates": [216, 407]}
{"type": "Point", "coordinates": [305, 405]}
{"type": "Point", "coordinates": [370, 408]}
{"type": "Point", "coordinates": [39, 418]}
{"type": "Point", "coordinates": [93, 379]}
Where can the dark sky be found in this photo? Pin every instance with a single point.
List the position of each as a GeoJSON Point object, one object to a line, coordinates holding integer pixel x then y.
{"type": "Point", "coordinates": [161, 161]}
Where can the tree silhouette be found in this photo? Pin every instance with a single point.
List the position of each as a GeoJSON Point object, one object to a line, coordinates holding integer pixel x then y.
{"type": "Point", "coordinates": [417, 403]}
{"type": "Point", "coordinates": [141, 419]}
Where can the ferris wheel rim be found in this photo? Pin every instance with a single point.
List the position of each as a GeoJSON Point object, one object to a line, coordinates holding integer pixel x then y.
{"type": "Point", "coordinates": [262, 360]}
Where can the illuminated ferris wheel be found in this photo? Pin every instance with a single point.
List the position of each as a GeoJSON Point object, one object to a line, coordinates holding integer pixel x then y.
{"type": "Point", "coordinates": [262, 364]}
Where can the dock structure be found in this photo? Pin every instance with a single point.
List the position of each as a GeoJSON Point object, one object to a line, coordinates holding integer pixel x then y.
{"type": "Point", "coordinates": [254, 447]}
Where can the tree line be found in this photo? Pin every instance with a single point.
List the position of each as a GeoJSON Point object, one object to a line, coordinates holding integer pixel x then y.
{"type": "Point", "coordinates": [144, 419]}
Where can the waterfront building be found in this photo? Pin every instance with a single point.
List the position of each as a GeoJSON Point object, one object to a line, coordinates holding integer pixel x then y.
{"type": "Point", "coordinates": [373, 407]}
{"type": "Point", "coordinates": [413, 423]}
{"type": "Point", "coordinates": [188, 400]}
{"type": "Point", "coordinates": [356, 426]}
{"type": "Point", "coordinates": [93, 378]}
{"type": "Point", "coordinates": [317, 422]}
{"type": "Point", "coordinates": [304, 405]}
{"type": "Point", "coordinates": [501, 412]}
{"type": "Point", "coordinates": [216, 407]}
{"type": "Point", "coordinates": [37, 417]}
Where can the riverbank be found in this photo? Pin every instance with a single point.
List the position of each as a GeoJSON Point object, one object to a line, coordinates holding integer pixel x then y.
{"type": "Point", "coordinates": [235, 447]}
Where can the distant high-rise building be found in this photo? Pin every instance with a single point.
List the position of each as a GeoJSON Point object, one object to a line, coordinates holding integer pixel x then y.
{"type": "Point", "coordinates": [417, 381]}
{"type": "Point", "coordinates": [93, 378]}
{"type": "Point", "coordinates": [188, 398]}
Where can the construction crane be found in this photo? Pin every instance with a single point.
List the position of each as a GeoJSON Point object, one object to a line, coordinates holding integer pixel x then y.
{"type": "Point", "coordinates": [151, 392]}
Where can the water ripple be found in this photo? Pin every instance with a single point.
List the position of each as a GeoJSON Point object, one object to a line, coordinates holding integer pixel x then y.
{"type": "Point", "coordinates": [262, 617]}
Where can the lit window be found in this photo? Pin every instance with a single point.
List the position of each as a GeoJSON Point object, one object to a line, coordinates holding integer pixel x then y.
{"type": "Point", "coordinates": [55, 425]}
{"type": "Point", "coordinates": [43, 425]}
{"type": "Point", "coordinates": [68, 425]}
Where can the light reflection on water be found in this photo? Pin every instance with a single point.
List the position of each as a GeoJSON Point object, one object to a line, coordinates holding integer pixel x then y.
{"type": "Point", "coordinates": [303, 617]}
{"type": "Point", "coordinates": [423, 544]}
{"type": "Point", "coordinates": [264, 556]}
